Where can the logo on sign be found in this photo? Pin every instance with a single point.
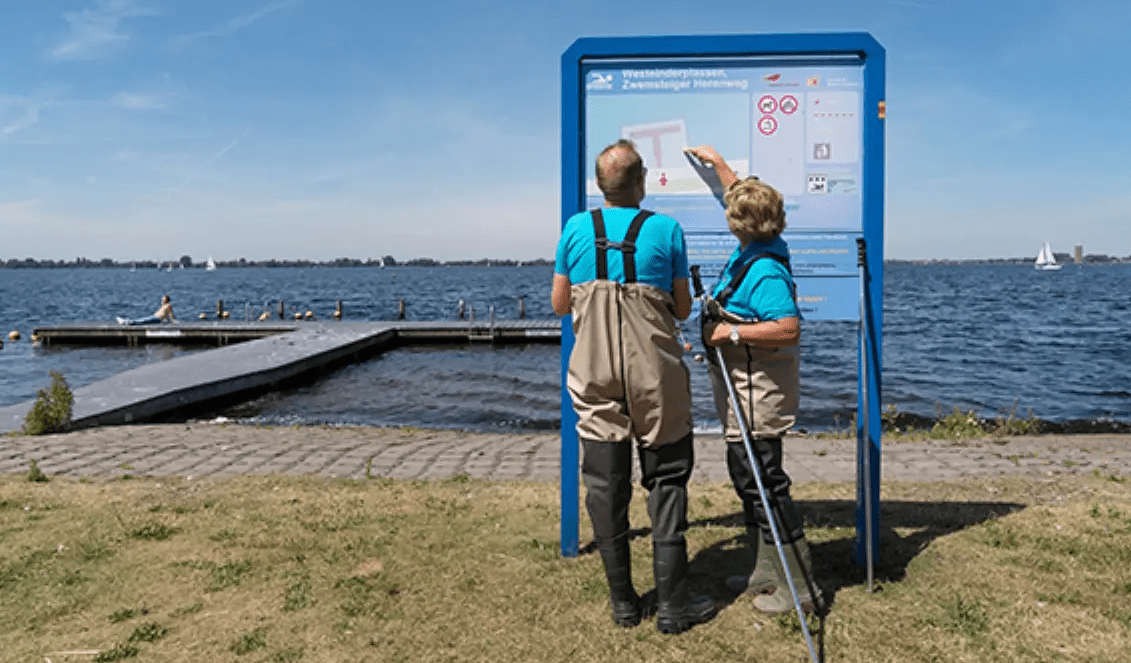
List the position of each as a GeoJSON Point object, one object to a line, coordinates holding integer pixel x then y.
{"type": "Point", "coordinates": [599, 81]}
{"type": "Point", "coordinates": [767, 104]}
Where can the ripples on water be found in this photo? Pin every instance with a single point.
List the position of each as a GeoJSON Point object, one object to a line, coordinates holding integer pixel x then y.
{"type": "Point", "coordinates": [992, 338]}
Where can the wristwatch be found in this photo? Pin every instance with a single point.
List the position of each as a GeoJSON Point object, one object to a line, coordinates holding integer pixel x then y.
{"type": "Point", "coordinates": [734, 334]}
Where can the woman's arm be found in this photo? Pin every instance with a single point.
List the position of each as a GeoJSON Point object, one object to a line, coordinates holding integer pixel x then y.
{"type": "Point", "coordinates": [708, 155]}
{"type": "Point", "coordinates": [780, 333]}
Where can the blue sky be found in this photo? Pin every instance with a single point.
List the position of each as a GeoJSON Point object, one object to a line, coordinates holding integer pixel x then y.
{"type": "Point", "coordinates": [148, 129]}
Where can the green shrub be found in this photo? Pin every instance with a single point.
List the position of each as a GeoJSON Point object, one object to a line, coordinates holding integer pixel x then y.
{"type": "Point", "coordinates": [249, 642]}
{"type": "Point", "coordinates": [1010, 424]}
{"type": "Point", "coordinates": [958, 425]}
{"type": "Point", "coordinates": [148, 632]}
{"type": "Point", "coordinates": [51, 412]}
{"type": "Point", "coordinates": [36, 475]}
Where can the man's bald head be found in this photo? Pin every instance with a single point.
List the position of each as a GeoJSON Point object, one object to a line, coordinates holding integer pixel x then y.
{"type": "Point", "coordinates": [620, 174]}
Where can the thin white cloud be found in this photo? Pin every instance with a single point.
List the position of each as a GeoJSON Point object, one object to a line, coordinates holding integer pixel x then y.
{"type": "Point", "coordinates": [97, 33]}
{"type": "Point", "coordinates": [233, 25]}
{"type": "Point", "coordinates": [209, 161]}
{"type": "Point", "coordinates": [225, 149]}
{"type": "Point", "coordinates": [20, 118]}
{"type": "Point", "coordinates": [20, 113]}
{"type": "Point", "coordinates": [138, 101]}
{"type": "Point", "coordinates": [913, 4]}
{"type": "Point", "coordinates": [147, 99]}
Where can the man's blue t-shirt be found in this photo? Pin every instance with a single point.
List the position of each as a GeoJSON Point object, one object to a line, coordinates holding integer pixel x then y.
{"type": "Point", "coordinates": [766, 293]}
{"type": "Point", "coordinates": [661, 251]}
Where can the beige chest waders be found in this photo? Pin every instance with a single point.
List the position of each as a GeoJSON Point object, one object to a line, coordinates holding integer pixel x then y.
{"type": "Point", "coordinates": [626, 376]}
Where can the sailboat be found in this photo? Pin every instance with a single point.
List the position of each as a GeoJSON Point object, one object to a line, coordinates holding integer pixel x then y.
{"type": "Point", "coordinates": [210, 265]}
{"type": "Point", "coordinates": [1045, 259]}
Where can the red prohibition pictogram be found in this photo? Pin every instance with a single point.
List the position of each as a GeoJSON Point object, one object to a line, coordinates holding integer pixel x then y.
{"type": "Point", "coordinates": [767, 125]}
{"type": "Point", "coordinates": [789, 104]}
{"type": "Point", "coordinates": [767, 104]}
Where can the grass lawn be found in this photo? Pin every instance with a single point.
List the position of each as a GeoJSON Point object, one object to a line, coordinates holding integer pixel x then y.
{"type": "Point", "coordinates": [306, 569]}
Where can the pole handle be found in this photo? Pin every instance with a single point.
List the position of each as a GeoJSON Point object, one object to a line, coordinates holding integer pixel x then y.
{"type": "Point", "coordinates": [697, 281]}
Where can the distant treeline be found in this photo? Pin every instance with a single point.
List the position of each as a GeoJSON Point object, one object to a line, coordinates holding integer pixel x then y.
{"type": "Point", "coordinates": [186, 262]}
{"type": "Point", "coordinates": [1062, 258]}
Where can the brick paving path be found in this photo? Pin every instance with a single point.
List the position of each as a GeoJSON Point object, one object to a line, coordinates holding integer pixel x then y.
{"type": "Point", "coordinates": [210, 449]}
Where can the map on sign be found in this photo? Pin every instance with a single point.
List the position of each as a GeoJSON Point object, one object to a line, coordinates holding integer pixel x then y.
{"type": "Point", "coordinates": [796, 126]}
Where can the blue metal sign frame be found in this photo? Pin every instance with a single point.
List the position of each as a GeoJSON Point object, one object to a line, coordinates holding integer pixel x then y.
{"type": "Point", "coordinates": [686, 51]}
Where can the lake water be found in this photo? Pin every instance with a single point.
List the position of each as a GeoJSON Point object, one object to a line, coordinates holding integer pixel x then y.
{"type": "Point", "coordinates": [991, 338]}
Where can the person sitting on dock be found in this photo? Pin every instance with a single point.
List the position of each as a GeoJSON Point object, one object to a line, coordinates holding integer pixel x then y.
{"type": "Point", "coordinates": [160, 315]}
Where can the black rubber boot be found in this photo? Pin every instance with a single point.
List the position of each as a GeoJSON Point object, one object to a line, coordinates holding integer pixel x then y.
{"type": "Point", "coordinates": [606, 469]}
{"type": "Point", "coordinates": [800, 572]}
{"type": "Point", "coordinates": [764, 577]}
{"type": "Point", "coordinates": [622, 595]}
{"type": "Point", "coordinates": [676, 611]}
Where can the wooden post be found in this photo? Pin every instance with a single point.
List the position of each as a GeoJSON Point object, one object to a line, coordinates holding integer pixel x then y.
{"type": "Point", "coordinates": [219, 308]}
{"type": "Point", "coordinates": [338, 311]}
{"type": "Point", "coordinates": [461, 310]}
{"type": "Point", "coordinates": [282, 310]}
{"type": "Point", "coordinates": [521, 308]}
{"type": "Point", "coordinates": [400, 310]}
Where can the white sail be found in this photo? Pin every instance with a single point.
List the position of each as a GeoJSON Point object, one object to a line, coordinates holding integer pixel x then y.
{"type": "Point", "coordinates": [210, 265]}
{"type": "Point", "coordinates": [1045, 259]}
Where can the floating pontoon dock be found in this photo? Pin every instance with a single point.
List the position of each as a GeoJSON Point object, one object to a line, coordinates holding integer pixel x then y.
{"type": "Point", "coordinates": [273, 356]}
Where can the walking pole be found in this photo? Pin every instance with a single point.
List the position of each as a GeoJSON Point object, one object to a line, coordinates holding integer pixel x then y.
{"type": "Point", "coordinates": [866, 466]}
{"type": "Point", "coordinates": [756, 466]}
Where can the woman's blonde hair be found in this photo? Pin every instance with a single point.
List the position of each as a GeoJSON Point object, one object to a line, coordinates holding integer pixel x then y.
{"type": "Point", "coordinates": [755, 210]}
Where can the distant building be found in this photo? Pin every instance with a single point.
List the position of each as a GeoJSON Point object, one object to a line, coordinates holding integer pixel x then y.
{"type": "Point", "coordinates": [1079, 253]}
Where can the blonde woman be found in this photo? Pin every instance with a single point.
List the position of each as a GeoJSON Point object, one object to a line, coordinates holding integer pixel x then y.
{"type": "Point", "coordinates": [758, 334]}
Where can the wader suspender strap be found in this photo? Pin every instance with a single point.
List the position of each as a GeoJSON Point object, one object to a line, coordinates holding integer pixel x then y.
{"type": "Point", "coordinates": [627, 247]}
{"type": "Point", "coordinates": [731, 287]}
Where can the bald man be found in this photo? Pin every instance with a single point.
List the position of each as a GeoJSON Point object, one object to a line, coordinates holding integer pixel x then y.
{"type": "Point", "coordinates": [622, 272]}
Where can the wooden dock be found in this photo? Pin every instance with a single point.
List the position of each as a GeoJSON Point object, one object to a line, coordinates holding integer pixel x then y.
{"type": "Point", "coordinates": [223, 332]}
{"type": "Point", "coordinates": [251, 359]}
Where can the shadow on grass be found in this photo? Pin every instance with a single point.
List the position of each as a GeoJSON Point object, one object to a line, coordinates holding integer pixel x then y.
{"type": "Point", "coordinates": [834, 561]}
{"type": "Point", "coordinates": [834, 565]}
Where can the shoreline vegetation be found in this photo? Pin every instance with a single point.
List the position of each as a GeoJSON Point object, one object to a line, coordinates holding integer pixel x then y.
{"type": "Point", "coordinates": [187, 262]}
{"type": "Point", "coordinates": [960, 425]}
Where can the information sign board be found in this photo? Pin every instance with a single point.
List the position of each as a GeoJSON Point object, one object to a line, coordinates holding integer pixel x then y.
{"type": "Point", "coordinates": [803, 113]}
{"type": "Point", "coordinates": [795, 123]}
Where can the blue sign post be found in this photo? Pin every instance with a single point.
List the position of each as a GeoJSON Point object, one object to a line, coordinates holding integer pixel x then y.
{"type": "Point", "coordinates": [804, 112]}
